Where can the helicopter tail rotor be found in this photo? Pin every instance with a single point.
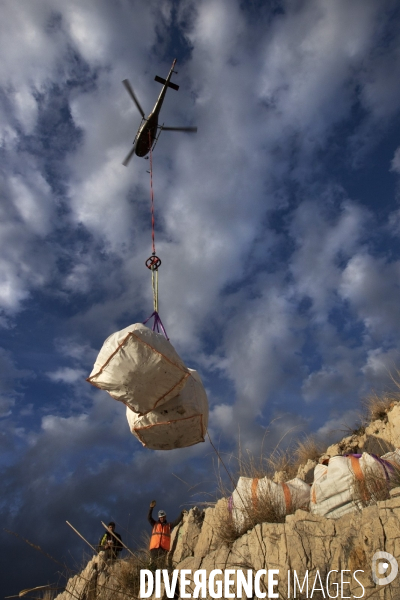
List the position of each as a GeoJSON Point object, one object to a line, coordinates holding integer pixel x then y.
{"type": "Point", "coordinates": [167, 83]}
{"type": "Point", "coordinates": [132, 95]}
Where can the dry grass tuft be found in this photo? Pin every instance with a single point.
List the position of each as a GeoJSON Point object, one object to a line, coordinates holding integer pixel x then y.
{"type": "Point", "coordinates": [226, 531]}
{"type": "Point", "coordinates": [377, 407]}
{"type": "Point", "coordinates": [269, 508]}
{"type": "Point", "coordinates": [279, 466]}
{"type": "Point", "coordinates": [282, 463]}
{"type": "Point", "coordinates": [372, 489]}
{"type": "Point", "coordinates": [308, 449]}
{"type": "Point", "coordinates": [279, 461]}
{"type": "Point", "coordinates": [129, 575]}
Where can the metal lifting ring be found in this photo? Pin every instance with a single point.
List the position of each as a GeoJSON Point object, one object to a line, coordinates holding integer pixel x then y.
{"type": "Point", "coordinates": [153, 262]}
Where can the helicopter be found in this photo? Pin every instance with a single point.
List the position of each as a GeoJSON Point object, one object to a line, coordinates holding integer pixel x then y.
{"type": "Point", "coordinates": [149, 129]}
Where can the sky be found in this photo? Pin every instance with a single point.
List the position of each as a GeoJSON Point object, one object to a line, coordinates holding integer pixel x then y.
{"type": "Point", "coordinates": [277, 225]}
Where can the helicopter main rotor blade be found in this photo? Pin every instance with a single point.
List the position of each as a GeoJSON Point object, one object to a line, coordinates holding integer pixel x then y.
{"type": "Point", "coordinates": [132, 95]}
{"type": "Point", "coordinates": [189, 129]}
{"type": "Point", "coordinates": [129, 156]}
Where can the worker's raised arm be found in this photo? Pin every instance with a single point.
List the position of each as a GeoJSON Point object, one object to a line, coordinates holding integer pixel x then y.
{"type": "Point", "coordinates": [178, 520]}
{"type": "Point", "coordinates": [150, 513]}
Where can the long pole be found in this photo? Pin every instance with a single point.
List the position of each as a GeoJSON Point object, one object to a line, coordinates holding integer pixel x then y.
{"type": "Point", "coordinates": [81, 536]}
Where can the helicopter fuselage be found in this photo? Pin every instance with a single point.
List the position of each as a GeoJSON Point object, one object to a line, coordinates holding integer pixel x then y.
{"type": "Point", "coordinates": [147, 132]}
{"type": "Point", "coordinates": [146, 135]}
{"type": "Point", "coordinates": [149, 129]}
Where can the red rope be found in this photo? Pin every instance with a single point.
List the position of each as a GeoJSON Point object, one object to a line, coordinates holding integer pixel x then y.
{"type": "Point", "coordinates": [152, 198]}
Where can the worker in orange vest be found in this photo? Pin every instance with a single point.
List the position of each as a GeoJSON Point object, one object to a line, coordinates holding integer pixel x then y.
{"type": "Point", "coordinates": [160, 541]}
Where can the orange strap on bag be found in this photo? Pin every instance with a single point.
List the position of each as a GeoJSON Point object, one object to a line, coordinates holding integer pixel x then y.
{"type": "Point", "coordinates": [355, 465]}
{"type": "Point", "coordinates": [359, 475]}
{"type": "Point", "coordinates": [313, 494]}
{"type": "Point", "coordinates": [288, 498]}
{"type": "Point", "coordinates": [254, 499]}
{"type": "Point", "coordinates": [313, 488]}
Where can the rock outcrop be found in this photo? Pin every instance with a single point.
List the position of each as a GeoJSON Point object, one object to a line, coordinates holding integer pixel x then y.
{"type": "Point", "coordinates": [378, 437]}
{"type": "Point", "coordinates": [305, 544]}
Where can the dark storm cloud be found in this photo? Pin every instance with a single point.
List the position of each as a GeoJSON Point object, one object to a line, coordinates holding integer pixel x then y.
{"type": "Point", "coordinates": [11, 382]}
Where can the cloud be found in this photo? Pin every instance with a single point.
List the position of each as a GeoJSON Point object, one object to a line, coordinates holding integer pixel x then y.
{"type": "Point", "coordinates": [277, 281]}
{"type": "Point", "coordinates": [32, 203]}
{"type": "Point", "coordinates": [315, 265]}
{"type": "Point", "coordinates": [381, 366]}
{"type": "Point", "coordinates": [330, 383]}
{"type": "Point", "coordinates": [222, 419]}
{"type": "Point", "coordinates": [369, 285]}
{"type": "Point", "coordinates": [395, 164]}
{"type": "Point", "coordinates": [26, 109]}
{"type": "Point", "coordinates": [338, 427]}
{"type": "Point", "coordinates": [67, 375]}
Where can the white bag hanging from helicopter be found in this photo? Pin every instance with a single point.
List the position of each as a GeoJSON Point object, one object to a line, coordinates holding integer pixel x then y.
{"type": "Point", "coordinates": [178, 423]}
{"type": "Point", "coordinates": [251, 493]}
{"type": "Point", "coordinates": [140, 368]}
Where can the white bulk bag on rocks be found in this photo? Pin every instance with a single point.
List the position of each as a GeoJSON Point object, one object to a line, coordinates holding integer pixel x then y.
{"type": "Point", "coordinates": [334, 493]}
{"type": "Point", "coordinates": [140, 368]}
{"type": "Point", "coordinates": [288, 497]}
{"type": "Point", "coordinates": [178, 423]}
{"type": "Point", "coordinates": [393, 458]}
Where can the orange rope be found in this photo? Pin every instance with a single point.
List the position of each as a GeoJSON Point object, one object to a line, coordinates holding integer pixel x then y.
{"type": "Point", "coordinates": [152, 198]}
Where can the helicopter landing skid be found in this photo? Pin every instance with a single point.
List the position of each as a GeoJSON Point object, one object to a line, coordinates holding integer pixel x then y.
{"type": "Point", "coordinates": [156, 138]}
{"type": "Point", "coordinates": [160, 127]}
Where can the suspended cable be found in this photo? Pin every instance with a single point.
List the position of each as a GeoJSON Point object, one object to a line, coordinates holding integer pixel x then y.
{"type": "Point", "coordinates": [154, 262]}
{"type": "Point", "coordinates": [153, 241]}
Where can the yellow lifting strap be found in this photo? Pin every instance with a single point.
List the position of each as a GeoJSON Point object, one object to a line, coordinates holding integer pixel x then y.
{"type": "Point", "coordinates": [154, 284]}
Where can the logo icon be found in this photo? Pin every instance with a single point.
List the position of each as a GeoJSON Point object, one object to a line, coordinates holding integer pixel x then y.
{"type": "Point", "coordinates": [387, 565]}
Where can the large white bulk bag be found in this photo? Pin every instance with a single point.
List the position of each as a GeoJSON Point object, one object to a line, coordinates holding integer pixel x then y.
{"type": "Point", "coordinates": [178, 423]}
{"type": "Point", "coordinates": [250, 492]}
{"type": "Point", "coordinates": [334, 492]}
{"type": "Point", "coordinates": [140, 368]}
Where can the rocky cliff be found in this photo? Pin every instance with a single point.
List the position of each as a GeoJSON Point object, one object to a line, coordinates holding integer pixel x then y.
{"type": "Point", "coordinates": [305, 546]}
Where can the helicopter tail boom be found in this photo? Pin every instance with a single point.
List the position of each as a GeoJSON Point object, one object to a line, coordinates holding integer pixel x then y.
{"type": "Point", "coordinates": [165, 82]}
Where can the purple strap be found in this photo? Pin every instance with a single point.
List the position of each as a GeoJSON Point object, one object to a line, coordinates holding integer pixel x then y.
{"type": "Point", "coordinates": [157, 324]}
{"type": "Point", "coordinates": [387, 467]}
